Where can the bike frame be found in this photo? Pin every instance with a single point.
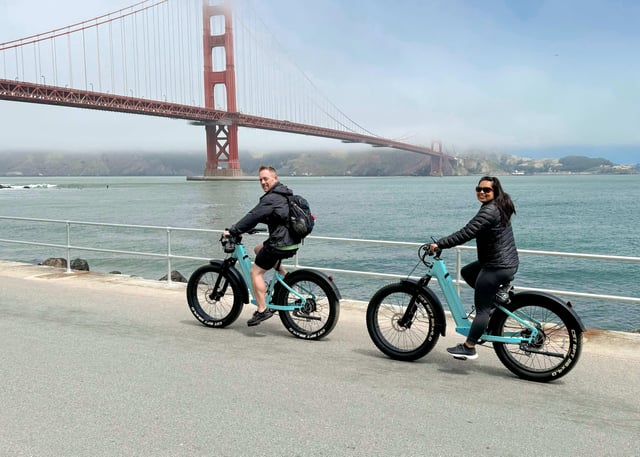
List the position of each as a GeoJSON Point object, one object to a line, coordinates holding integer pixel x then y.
{"type": "Point", "coordinates": [438, 270]}
{"type": "Point", "coordinates": [240, 254]}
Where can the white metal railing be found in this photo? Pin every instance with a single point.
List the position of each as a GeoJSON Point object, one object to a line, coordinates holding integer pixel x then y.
{"type": "Point", "coordinates": [169, 256]}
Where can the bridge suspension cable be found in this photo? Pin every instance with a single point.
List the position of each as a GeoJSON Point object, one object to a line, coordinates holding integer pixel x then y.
{"type": "Point", "coordinates": [273, 85]}
{"type": "Point", "coordinates": [152, 50]}
{"type": "Point", "coordinates": [148, 50]}
{"type": "Point", "coordinates": [149, 59]}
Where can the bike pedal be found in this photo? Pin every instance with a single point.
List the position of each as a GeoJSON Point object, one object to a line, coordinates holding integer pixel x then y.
{"type": "Point", "coordinates": [503, 296]}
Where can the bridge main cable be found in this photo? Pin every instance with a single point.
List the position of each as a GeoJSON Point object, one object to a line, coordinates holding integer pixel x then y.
{"type": "Point", "coordinates": [84, 25]}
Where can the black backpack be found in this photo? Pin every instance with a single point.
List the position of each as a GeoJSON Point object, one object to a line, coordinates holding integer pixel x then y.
{"type": "Point", "coordinates": [301, 221]}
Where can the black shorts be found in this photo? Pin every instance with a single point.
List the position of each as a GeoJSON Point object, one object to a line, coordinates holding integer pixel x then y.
{"type": "Point", "coordinates": [268, 256]}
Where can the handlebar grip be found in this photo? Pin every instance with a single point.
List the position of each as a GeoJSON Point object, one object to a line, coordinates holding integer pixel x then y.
{"type": "Point", "coordinates": [228, 244]}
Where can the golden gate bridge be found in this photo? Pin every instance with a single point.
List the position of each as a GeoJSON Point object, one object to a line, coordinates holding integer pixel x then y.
{"type": "Point", "coordinates": [211, 63]}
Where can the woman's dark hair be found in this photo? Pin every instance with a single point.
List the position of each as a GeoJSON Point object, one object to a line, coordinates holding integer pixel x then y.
{"type": "Point", "coordinates": [503, 200]}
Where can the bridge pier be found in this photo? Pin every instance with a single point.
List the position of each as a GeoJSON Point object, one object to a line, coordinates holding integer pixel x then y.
{"type": "Point", "coordinates": [222, 149]}
{"type": "Point", "coordinates": [436, 161]}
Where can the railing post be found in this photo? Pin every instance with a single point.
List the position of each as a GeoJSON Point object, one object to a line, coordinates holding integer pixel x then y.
{"type": "Point", "coordinates": [68, 247]}
{"type": "Point", "coordinates": [458, 269]}
{"type": "Point", "coordinates": [460, 284]}
{"type": "Point", "coordinates": [169, 256]}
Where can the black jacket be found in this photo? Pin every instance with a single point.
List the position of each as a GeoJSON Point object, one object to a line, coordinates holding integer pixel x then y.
{"type": "Point", "coordinates": [494, 240]}
{"type": "Point", "coordinates": [273, 210]}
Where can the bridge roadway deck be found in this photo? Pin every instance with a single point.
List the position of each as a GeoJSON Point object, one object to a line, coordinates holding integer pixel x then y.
{"type": "Point", "coordinates": [104, 365]}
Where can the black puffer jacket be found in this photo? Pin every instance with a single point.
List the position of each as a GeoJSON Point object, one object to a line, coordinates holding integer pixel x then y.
{"type": "Point", "coordinates": [494, 240]}
{"type": "Point", "coordinates": [273, 210]}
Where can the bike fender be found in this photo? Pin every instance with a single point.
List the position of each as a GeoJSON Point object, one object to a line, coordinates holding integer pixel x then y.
{"type": "Point", "coordinates": [320, 276]}
{"type": "Point", "coordinates": [551, 299]}
{"type": "Point", "coordinates": [235, 274]}
{"type": "Point", "coordinates": [441, 320]}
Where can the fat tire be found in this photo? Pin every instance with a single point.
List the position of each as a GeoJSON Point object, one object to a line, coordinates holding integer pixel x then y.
{"type": "Point", "coordinates": [384, 311]}
{"type": "Point", "coordinates": [323, 301]}
{"type": "Point", "coordinates": [215, 313]}
{"type": "Point", "coordinates": [561, 335]}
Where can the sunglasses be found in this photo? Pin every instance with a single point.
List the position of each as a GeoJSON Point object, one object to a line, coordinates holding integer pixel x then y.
{"type": "Point", "coordinates": [486, 190]}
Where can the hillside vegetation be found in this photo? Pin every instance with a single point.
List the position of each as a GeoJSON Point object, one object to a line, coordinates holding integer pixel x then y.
{"type": "Point", "coordinates": [364, 163]}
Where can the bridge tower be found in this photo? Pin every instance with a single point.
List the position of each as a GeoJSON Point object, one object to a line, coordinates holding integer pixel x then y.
{"type": "Point", "coordinates": [222, 138]}
{"type": "Point", "coordinates": [436, 161]}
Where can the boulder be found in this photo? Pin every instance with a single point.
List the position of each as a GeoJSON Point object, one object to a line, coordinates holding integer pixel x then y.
{"type": "Point", "coordinates": [79, 264]}
{"type": "Point", "coordinates": [59, 262]}
{"type": "Point", "coordinates": [176, 276]}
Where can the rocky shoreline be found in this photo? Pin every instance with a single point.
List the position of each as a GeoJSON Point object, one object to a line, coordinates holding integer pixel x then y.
{"type": "Point", "coordinates": [82, 265]}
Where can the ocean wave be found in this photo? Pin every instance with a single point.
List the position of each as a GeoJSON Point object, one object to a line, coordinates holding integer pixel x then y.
{"type": "Point", "coordinates": [27, 186]}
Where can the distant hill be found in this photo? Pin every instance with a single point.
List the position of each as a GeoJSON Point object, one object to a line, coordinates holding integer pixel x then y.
{"type": "Point", "coordinates": [100, 164]}
{"type": "Point", "coordinates": [617, 154]}
{"type": "Point", "coordinates": [379, 162]}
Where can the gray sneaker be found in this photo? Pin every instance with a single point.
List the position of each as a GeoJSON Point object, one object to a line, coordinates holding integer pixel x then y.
{"type": "Point", "coordinates": [260, 316]}
{"type": "Point", "coordinates": [462, 352]}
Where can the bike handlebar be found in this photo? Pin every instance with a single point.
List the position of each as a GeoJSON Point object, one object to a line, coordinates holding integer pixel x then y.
{"type": "Point", "coordinates": [424, 253]}
{"type": "Point", "coordinates": [229, 242]}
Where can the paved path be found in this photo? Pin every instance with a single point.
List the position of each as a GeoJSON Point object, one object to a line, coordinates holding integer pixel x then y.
{"type": "Point", "coordinates": [100, 365]}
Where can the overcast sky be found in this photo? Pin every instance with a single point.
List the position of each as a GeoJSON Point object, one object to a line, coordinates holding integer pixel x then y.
{"type": "Point", "coordinates": [524, 76]}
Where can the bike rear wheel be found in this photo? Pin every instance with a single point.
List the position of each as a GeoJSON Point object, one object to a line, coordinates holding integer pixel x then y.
{"type": "Point", "coordinates": [402, 322]}
{"type": "Point", "coordinates": [214, 297]}
{"type": "Point", "coordinates": [318, 317]}
{"type": "Point", "coordinates": [554, 352]}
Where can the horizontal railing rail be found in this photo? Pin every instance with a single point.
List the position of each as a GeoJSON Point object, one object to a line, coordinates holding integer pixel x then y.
{"type": "Point", "coordinates": [169, 255]}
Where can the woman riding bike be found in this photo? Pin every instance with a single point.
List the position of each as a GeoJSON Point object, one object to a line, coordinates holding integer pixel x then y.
{"type": "Point", "coordinates": [497, 261]}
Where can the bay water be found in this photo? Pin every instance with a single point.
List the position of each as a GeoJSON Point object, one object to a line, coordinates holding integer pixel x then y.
{"type": "Point", "coordinates": [589, 214]}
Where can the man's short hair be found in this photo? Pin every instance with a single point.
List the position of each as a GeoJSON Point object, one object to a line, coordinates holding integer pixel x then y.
{"type": "Point", "coordinates": [268, 167]}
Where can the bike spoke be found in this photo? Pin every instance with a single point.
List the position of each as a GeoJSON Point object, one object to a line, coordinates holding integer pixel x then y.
{"type": "Point", "coordinates": [212, 297]}
{"type": "Point", "coordinates": [401, 323]}
{"type": "Point", "coordinates": [548, 349]}
{"type": "Point", "coordinates": [316, 312]}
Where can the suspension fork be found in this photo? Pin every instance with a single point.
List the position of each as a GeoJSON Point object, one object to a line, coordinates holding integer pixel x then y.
{"type": "Point", "coordinates": [217, 291]}
{"type": "Point", "coordinates": [407, 318]}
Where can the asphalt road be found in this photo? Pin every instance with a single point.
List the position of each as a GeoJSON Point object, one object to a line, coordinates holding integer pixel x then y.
{"type": "Point", "coordinates": [100, 365]}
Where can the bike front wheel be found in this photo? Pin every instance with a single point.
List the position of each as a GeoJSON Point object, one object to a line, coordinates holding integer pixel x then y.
{"type": "Point", "coordinates": [553, 353]}
{"type": "Point", "coordinates": [318, 317]}
{"type": "Point", "coordinates": [214, 297]}
{"type": "Point", "coordinates": [402, 322]}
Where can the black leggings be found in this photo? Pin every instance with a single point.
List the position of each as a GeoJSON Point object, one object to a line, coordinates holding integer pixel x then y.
{"type": "Point", "coordinates": [485, 282]}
